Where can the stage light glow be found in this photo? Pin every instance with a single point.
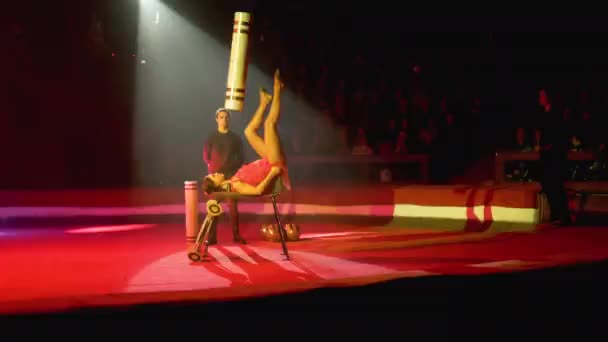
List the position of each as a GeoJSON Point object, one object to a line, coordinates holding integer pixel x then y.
{"type": "Point", "coordinates": [180, 81]}
{"type": "Point", "coordinates": [330, 235]}
{"type": "Point", "coordinates": [109, 229]}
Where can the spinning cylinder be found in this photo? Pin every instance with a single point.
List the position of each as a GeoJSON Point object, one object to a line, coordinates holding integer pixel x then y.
{"type": "Point", "coordinates": [237, 69]}
{"type": "Point", "coordinates": [191, 198]}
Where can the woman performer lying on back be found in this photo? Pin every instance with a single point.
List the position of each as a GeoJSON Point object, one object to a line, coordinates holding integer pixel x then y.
{"type": "Point", "coordinates": [256, 177]}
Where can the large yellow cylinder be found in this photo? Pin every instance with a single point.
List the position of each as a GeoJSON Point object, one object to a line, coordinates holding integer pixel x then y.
{"type": "Point", "coordinates": [237, 68]}
{"type": "Point", "coordinates": [191, 199]}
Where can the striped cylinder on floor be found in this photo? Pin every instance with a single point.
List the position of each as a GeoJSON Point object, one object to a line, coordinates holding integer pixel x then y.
{"type": "Point", "coordinates": [191, 197]}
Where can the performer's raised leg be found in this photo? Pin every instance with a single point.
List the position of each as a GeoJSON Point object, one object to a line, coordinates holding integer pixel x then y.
{"type": "Point", "coordinates": [272, 140]}
{"type": "Point", "coordinates": [255, 123]}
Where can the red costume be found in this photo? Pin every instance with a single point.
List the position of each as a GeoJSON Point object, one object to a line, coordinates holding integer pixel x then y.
{"type": "Point", "coordinates": [255, 172]}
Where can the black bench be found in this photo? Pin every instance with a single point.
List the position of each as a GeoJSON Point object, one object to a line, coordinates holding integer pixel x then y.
{"type": "Point", "coordinates": [214, 210]}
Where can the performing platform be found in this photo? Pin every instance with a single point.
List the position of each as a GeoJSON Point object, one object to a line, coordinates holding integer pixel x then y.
{"type": "Point", "coordinates": [69, 251]}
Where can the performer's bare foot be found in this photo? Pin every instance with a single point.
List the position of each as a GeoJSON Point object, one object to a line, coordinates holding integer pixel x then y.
{"type": "Point", "coordinates": [278, 83]}
{"type": "Point", "coordinates": [265, 96]}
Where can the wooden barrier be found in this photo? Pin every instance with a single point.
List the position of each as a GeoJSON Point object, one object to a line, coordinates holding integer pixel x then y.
{"type": "Point", "coordinates": [506, 156]}
{"type": "Point", "coordinates": [588, 196]}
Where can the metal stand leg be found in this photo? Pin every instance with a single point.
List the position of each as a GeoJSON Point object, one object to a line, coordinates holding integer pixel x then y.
{"type": "Point", "coordinates": [282, 231]}
{"type": "Point", "coordinates": [203, 232]}
{"type": "Point", "coordinates": [213, 210]}
{"type": "Point", "coordinates": [206, 237]}
{"type": "Point", "coordinates": [194, 254]}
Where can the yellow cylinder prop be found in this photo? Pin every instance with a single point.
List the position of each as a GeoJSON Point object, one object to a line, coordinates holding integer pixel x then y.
{"type": "Point", "coordinates": [237, 69]}
{"type": "Point", "coordinates": [192, 226]}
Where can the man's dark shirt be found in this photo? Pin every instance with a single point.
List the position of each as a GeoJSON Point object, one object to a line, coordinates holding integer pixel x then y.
{"type": "Point", "coordinates": [223, 153]}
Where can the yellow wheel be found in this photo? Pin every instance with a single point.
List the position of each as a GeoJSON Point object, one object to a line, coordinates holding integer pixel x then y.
{"type": "Point", "coordinates": [194, 256]}
{"type": "Point", "coordinates": [213, 208]}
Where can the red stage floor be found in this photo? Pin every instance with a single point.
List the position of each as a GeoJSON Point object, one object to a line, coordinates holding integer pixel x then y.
{"type": "Point", "coordinates": [50, 269]}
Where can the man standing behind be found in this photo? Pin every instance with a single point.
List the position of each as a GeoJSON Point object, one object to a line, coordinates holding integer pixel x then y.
{"type": "Point", "coordinates": [223, 153]}
{"type": "Point", "coordinates": [553, 159]}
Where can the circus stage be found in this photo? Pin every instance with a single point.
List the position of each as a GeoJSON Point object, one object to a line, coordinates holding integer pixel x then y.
{"type": "Point", "coordinates": [69, 252]}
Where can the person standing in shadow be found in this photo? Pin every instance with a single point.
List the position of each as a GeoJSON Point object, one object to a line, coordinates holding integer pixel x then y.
{"type": "Point", "coordinates": [553, 160]}
{"type": "Point", "coordinates": [223, 153]}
